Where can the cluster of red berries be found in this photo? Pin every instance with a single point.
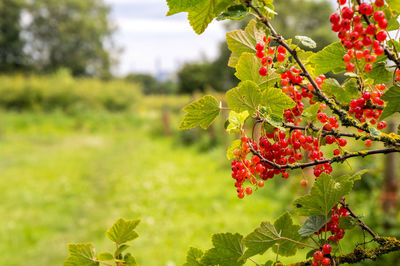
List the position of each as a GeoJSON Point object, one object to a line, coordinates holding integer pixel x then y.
{"type": "Point", "coordinates": [266, 54]}
{"type": "Point", "coordinates": [280, 149]}
{"type": "Point", "coordinates": [357, 107]}
{"type": "Point", "coordinates": [333, 225]}
{"type": "Point", "coordinates": [361, 41]}
{"type": "Point", "coordinates": [397, 75]}
{"type": "Point", "coordinates": [243, 169]}
{"type": "Point", "coordinates": [319, 256]}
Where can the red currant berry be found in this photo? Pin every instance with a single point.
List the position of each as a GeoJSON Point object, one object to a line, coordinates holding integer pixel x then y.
{"type": "Point", "coordinates": [342, 142]}
{"type": "Point", "coordinates": [381, 36]}
{"type": "Point", "coordinates": [240, 195]}
{"type": "Point", "coordinates": [281, 49]}
{"type": "Point", "coordinates": [379, 3]}
{"type": "Point", "coordinates": [381, 125]}
{"type": "Point", "coordinates": [335, 18]}
{"type": "Point", "coordinates": [350, 67]}
{"type": "Point", "coordinates": [327, 249]}
{"type": "Point", "coordinates": [249, 190]}
{"type": "Point", "coordinates": [259, 47]}
{"type": "Point", "coordinates": [263, 71]}
{"type": "Point", "coordinates": [368, 143]}
{"type": "Point", "coordinates": [260, 183]}
{"type": "Point", "coordinates": [368, 67]}
{"type": "Point", "coordinates": [318, 255]}
{"type": "Point", "coordinates": [280, 57]}
{"type": "Point", "coordinates": [325, 262]}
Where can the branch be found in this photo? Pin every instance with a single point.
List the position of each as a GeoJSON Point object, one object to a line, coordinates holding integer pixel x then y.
{"type": "Point", "coordinates": [340, 158]}
{"type": "Point", "coordinates": [360, 223]}
{"type": "Point", "coordinates": [343, 115]}
{"type": "Point", "coordinates": [386, 245]}
{"type": "Point", "coordinates": [390, 55]}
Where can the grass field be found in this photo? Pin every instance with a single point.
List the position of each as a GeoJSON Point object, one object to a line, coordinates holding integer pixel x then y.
{"type": "Point", "coordinates": [66, 179]}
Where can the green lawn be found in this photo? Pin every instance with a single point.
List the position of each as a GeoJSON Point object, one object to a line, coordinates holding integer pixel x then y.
{"type": "Point", "coordinates": [67, 179]}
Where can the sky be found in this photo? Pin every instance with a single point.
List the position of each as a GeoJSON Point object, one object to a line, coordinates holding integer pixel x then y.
{"type": "Point", "coordinates": [153, 42]}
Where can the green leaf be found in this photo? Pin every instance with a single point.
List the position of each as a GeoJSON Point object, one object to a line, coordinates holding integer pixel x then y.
{"type": "Point", "coordinates": [247, 69]}
{"type": "Point", "coordinates": [275, 101]}
{"type": "Point", "coordinates": [272, 120]}
{"type": "Point", "coordinates": [177, 6]}
{"type": "Point", "coordinates": [379, 73]}
{"type": "Point", "coordinates": [245, 97]}
{"type": "Point", "coordinates": [307, 41]}
{"type": "Point", "coordinates": [234, 146]}
{"type": "Point", "coordinates": [392, 98]}
{"type": "Point", "coordinates": [329, 58]}
{"type": "Point", "coordinates": [227, 250]}
{"type": "Point", "coordinates": [129, 260]}
{"type": "Point", "coordinates": [200, 113]}
{"type": "Point", "coordinates": [394, 4]}
{"type": "Point", "coordinates": [352, 178]}
{"type": "Point", "coordinates": [105, 256]}
{"type": "Point", "coordinates": [122, 231]}
{"type": "Point", "coordinates": [81, 255]}
{"type": "Point", "coordinates": [240, 41]}
{"type": "Point", "coordinates": [325, 193]}
{"type": "Point", "coordinates": [312, 225]}
{"type": "Point", "coordinates": [311, 112]}
{"type": "Point", "coordinates": [193, 257]}
{"type": "Point", "coordinates": [236, 121]}
{"type": "Point", "coordinates": [204, 12]}
{"type": "Point", "coordinates": [347, 222]}
{"type": "Point", "coordinates": [344, 93]}
{"type": "Point", "coordinates": [236, 12]}
{"type": "Point", "coordinates": [283, 233]}
{"type": "Point", "coordinates": [122, 248]}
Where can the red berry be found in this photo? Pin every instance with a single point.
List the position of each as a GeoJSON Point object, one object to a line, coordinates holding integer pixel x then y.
{"type": "Point", "coordinates": [285, 175]}
{"type": "Point", "coordinates": [327, 249]}
{"type": "Point", "coordinates": [304, 183]}
{"type": "Point", "coordinates": [379, 15]}
{"type": "Point", "coordinates": [281, 49]}
{"type": "Point", "coordinates": [260, 183]}
{"type": "Point", "coordinates": [249, 190]}
{"type": "Point", "coordinates": [383, 24]}
{"type": "Point", "coordinates": [381, 36]}
{"type": "Point", "coordinates": [368, 143]}
{"type": "Point", "coordinates": [315, 263]}
{"type": "Point", "coordinates": [240, 195]}
{"type": "Point", "coordinates": [263, 71]}
{"type": "Point", "coordinates": [335, 18]}
{"type": "Point", "coordinates": [368, 67]}
{"type": "Point", "coordinates": [350, 67]}
{"type": "Point", "coordinates": [379, 3]}
{"type": "Point", "coordinates": [259, 47]}
{"type": "Point", "coordinates": [318, 255]}
{"type": "Point", "coordinates": [326, 262]}
{"type": "Point", "coordinates": [381, 125]}
{"type": "Point", "coordinates": [342, 142]}
{"type": "Point", "coordinates": [245, 139]}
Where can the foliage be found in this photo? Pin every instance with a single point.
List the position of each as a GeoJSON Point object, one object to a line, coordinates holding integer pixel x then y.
{"type": "Point", "coordinates": [70, 34]}
{"type": "Point", "coordinates": [61, 91]}
{"type": "Point", "coordinates": [11, 44]}
{"type": "Point", "coordinates": [121, 232]}
{"type": "Point", "coordinates": [259, 54]}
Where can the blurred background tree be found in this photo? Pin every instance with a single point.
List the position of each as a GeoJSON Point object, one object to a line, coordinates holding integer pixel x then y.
{"type": "Point", "coordinates": [71, 34]}
{"type": "Point", "coordinates": [11, 43]}
{"type": "Point", "coordinates": [47, 35]}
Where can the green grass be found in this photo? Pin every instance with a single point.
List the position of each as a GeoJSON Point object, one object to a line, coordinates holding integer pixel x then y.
{"type": "Point", "coordinates": [67, 179]}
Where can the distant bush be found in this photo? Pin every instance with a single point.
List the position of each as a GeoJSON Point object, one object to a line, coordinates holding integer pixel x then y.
{"type": "Point", "coordinates": [63, 92]}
